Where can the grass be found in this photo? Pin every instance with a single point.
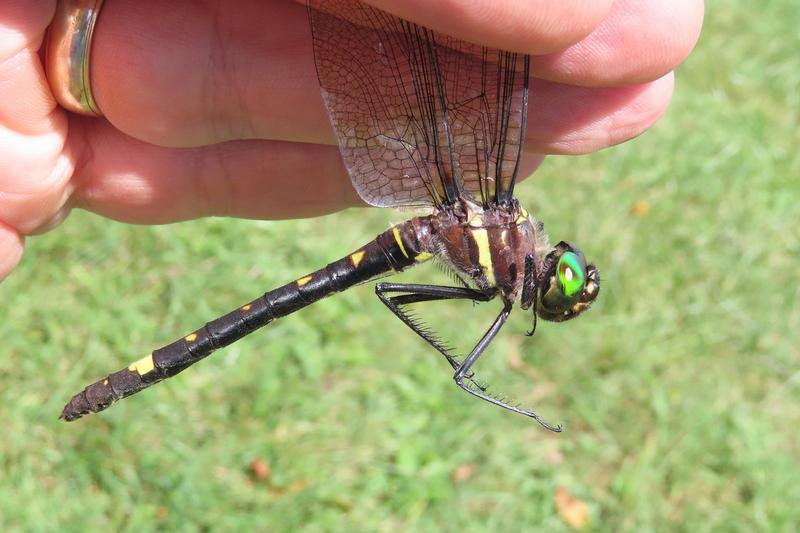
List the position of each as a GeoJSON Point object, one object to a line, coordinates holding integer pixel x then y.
{"type": "Point", "coordinates": [680, 389]}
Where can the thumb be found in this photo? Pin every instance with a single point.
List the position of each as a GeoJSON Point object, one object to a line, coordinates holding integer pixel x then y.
{"type": "Point", "coordinates": [34, 167]}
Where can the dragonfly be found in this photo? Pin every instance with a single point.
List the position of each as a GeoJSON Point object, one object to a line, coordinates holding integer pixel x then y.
{"type": "Point", "coordinates": [422, 120]}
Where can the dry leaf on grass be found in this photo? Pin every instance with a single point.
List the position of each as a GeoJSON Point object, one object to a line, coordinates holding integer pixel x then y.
{"type": "Point", "coordinates": [260, 469]}
{"type": "Point", "coordinates": [574, 512]}
{"type": "Point", "coordinates": [640, 208]}
{"type": "Point", "coordinates": [463, 472]}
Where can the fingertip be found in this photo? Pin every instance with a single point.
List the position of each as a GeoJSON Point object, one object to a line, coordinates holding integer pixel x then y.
{"type": "Point", "coordinates": [643, 110]}
{"type": "Point", "coordinates": [11, 246]}
{"type": "Point", "coordinates": [639, 41]}
{"type": "Point", "coordinates": [578, 120]}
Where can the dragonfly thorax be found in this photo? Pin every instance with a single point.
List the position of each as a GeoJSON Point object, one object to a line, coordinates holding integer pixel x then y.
{"type": "Point", "coordinates": [487, 247]}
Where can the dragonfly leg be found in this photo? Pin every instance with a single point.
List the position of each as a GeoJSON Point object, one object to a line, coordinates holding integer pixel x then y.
{"type": "Point", "coordinates": [465, 370]}
{"type": "Point", "coordinates": [414, 293]}
{"type": "Point", "coordinates": [530, 291]}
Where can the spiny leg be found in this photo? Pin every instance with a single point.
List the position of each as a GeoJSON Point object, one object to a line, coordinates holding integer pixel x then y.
{"type": "Point", "coordinates": [530, 290]}
{"type": "Point", "coordinates": [464, 371]}
{"type": "Point", "coordinates": [415, 293]}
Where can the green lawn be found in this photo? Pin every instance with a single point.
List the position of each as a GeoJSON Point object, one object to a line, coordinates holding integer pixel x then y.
{"type": "Point", "coordinates": [680, 390]}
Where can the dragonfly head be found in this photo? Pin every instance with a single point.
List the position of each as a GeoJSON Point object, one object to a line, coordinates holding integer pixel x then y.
{"type": "Point", "coordinates": [566, 286]}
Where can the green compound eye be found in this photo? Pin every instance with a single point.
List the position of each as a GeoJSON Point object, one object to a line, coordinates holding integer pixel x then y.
{"type": "Point", "coordinates": [571, 274]}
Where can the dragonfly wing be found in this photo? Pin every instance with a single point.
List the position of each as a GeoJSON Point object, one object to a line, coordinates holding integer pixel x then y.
{"type": "Point", "coordinates": [420, 117]}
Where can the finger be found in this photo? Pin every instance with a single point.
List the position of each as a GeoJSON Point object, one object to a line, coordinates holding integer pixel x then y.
{"type": "Point", "coordinates": [564, 119]}
{"type": "Point", "coordinates": [191, 77]}
{"type": "Point", "coordinates": [33, 173]}
{"type": "Point", "coordinates": [21, 109]}
{"type": "Point", "coordinates": [132, 181]}
{"type": "Point", "coordinates": [639, 41]}
{"type": "Point", "coordinates": [174, 80]}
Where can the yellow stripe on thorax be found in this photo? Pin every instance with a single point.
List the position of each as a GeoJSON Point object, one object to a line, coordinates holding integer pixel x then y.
{"type": "Point", "coordinates": [396, 233]}
{"type": "Point", "coordinates": [143, 365]}
{"type": "Point", "coordinates": [476, 221]}
{"type": "Point", "coordinates": [484, 254]}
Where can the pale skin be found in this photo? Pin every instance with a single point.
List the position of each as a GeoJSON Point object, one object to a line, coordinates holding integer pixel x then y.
{"type": "Point", "coordinates": [213, 107]}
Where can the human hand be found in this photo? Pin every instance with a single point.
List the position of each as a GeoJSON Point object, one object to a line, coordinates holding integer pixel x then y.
{"type": "Point", "coordinates": [215, 109]}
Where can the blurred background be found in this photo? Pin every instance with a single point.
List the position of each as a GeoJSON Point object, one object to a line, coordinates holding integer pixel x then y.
{"type": "Point", "coordinates": [680, 389]}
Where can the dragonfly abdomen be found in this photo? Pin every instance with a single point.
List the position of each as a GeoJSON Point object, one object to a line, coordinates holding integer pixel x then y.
{"type": "Point", "coordinates": [393, 250]}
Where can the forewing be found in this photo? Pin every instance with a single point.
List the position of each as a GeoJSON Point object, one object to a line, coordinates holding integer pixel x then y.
{"type": "Point", "coordinates": [420, 117]}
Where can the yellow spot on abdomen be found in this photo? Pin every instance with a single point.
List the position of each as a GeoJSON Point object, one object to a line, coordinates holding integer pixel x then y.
{"type": "Point", "coordinates": [105, 382]}
{"type": "Point", "coordinates": [247, 307]}
{"type": "Point", "coordinates": [143, 365]}
{"type": "Point", "coordinates": [303, 281]}
{"type": "Point", "coordinates": [484, 255]}
{"type": "Point", "coordinates": [396, 233]}
{"type": "Point", "coordinates": [357, 257]}
{"type": "Point", "coordinates": [191, 337]}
